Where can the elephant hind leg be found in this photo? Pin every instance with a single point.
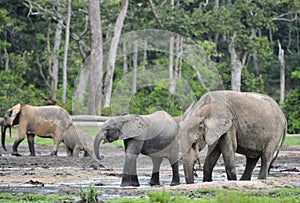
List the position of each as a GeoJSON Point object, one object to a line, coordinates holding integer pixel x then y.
{"type": "Point", "coordinates": [156, 161]}
{"type": "Point", "coordinates": [250, 164]}
{"type": "Point", "coordinates": [266, 160]}
{"type": "Point", "coordinates": [30, 139]}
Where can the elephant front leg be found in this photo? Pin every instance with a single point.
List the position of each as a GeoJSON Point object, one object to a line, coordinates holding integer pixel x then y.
{"type": "Point", "coordinates": [15, 147]}
{"type": "Point", "coordinates": [129, 176]}
{"type": "Point", "coordinates": [210, 162]}
{"type": "Point", "coordinates": [30, 139]}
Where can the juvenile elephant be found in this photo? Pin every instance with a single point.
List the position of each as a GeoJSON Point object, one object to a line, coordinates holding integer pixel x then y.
{"type": "Point", "coordinates": [44, 121]}
{"type": "Point", "coordinates": [154, 135]}
{"type": "Point", "coordinates": [251, 124]}
{"type": "Point", "coordinates": [76, 140]}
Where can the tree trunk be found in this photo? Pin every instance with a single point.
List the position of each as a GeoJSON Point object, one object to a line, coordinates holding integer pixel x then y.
{"type": "Point", "coordinates": [171, 71]}
{"type": "Point", "coordinates": [96, 58]}
{"type": "Point", "coordinates": [57, 43]}
{"type": "Point", "coordinates": [112, 54]}
{"type": "Point", "coordinates": [282, 71]}
{"type": "Point", "coordinates": [236, 67]}
{"type": "Point", "coordinates": [64, 90]}
{"type": "Point", "coordinates": [125, 65]}
{"type": "Point", "coordinates": [134, 68]}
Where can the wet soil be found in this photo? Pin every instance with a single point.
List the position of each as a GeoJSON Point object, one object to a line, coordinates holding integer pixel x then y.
{"type": "Point", "coordinates": [64, 175]}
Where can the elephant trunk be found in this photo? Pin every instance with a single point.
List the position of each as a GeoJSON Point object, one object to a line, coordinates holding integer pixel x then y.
{"type": "Point", "coordinates": [3, 132]}
{"type": "Point", "coordinates": [188, 168]}
{"type": "Point", "coordinates": [99, 138]}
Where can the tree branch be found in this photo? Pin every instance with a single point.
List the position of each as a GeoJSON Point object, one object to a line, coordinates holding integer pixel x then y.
{"type": "Point", "coordinates": [155, 14]}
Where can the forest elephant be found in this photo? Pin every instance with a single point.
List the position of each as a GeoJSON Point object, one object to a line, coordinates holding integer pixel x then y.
{"type": "Point", "coordinates": [75, 140]}
{"type": "Point", "coordinates": [154, 135]}
{"type": "Point", "coordinates": [44, 121]}
{"type": "Point", "coordinates": [251, 124]}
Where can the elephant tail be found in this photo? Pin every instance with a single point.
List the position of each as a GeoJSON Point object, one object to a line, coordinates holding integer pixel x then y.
{"type": "Point", "coordinates": [279, 147]}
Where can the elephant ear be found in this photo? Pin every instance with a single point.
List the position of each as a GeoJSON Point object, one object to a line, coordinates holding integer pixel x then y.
{"type": "Point", "coordinates": [14, 111]}
{"type": "Point", "coordinates": [133, 126]}
{"type": "Point", "coordinates": [215, 128]}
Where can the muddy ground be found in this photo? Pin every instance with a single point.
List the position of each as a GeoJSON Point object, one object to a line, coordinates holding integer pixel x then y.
{"type": "Point", "coordinates": [64, 175]}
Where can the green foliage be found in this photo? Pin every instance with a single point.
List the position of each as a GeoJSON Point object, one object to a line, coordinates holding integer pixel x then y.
{"type": "Point", "coordinates": [9, 198]}
{"type": "Point", "coordinates": [90, 196]}
{"type": "Point", "coordinates": [218, 196]}
{"type": "Point", "coordinates": [291, 110]}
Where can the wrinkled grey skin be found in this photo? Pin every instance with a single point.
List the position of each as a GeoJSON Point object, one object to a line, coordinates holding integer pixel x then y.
{"type": "Point", "coordinates": [195, 153]}
{"type": "Point", "coordinates": [44, 121]}
{"type": "Point", "coordinates": [76, 140]}
{"type": "Point", "coordinates": [154, 135]}
{"type": "Point", "coordinates": [251, 124]}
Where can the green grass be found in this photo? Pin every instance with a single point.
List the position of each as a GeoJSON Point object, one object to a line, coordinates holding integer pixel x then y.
{"type": "Point", "coordinates": [291, 141]}
{"type": "Point", "coordinates": [9, 198]}
{"type": "Point", "coordinates": [217, 196]}
{"type": "Point", "coordinates": [92, 131]}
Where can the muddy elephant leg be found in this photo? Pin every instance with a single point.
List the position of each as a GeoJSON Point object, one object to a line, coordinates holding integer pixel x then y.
{"type": "Point", "coordinates": [30, 139]}
{"type": "Point", "coordinates": [15, 147]}
{"type": "Point", "coordinates": [266, 159]}
{"type": "Point", "coordinates": [250, 164]}
{"type": "Point", "coordinates": [55, 146]}
{"type": "Point", "coordinates": [210, 162]}
{"type": "Point", "coordinates": [132, 150]}
{"type": "Point", "coordinates": [76, 151]}
{"type": "Point", "coordinates": [228, 153]}
{"type": "Point", "coordinates": [156, 161]}
{"type": "Point", "coordinates": [175, 172]}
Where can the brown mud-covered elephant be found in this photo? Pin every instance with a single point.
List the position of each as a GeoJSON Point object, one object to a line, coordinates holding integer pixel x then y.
{"type": "Point", "coordinates": [251, 124]}
{"type": "Point", "coordinates": [154, 135]}
{"type": "Point", "coordinates": [44, 121]}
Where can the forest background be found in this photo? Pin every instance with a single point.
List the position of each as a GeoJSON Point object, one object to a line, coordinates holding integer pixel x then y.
{"type": "Point", "coordinates": [45, 46]}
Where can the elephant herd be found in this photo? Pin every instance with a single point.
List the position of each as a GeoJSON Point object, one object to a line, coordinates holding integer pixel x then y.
{"type": "Point", "coordinates": [227, 122]}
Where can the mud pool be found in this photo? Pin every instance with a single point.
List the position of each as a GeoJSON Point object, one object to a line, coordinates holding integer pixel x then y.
{"type": "Point", "coordinates": [65, 175]}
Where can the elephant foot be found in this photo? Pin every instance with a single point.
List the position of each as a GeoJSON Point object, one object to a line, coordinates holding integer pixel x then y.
{"type": "Point", "coordinates": [153, 183]}
{"type": "Point", "coordinates": [174, 183]}
{"type": "Point", "coordinates": [130, 180]}
{"type": "Point", "coordinates": [15, 154]}
{"type": "Point", "coordinates": [53, 154]}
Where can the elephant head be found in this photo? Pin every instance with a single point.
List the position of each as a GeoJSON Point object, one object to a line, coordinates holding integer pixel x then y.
{"type": "Point", "coordinates": [119, 127]}
{"type": "Point", "coordinates": [10, 119]}
{"type": "Point", "coordinates": [200, 126]}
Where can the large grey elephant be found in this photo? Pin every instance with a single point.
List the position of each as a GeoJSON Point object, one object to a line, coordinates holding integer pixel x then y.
{"type": "Point", "coordinates": [154, 135]}
{"type": "Point", "coordinates": [251, 124]}
{"type": "Point", "coordinates": [44, 121]}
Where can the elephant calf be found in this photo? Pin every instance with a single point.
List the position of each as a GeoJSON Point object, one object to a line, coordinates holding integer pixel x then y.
{"type": "Point", "coordinates": [76, 140]}
{"type": "Point", "coordinates": [154, 135]}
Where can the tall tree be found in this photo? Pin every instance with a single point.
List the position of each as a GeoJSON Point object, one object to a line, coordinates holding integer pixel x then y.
{"type": "Point", "coordinates": [112, 54]}
{"type": "Point", "coordinates": [65, 61]}
{"type": "Point", "coordinates": [95, 58]}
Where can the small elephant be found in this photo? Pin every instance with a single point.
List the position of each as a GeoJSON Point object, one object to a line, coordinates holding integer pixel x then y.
{"type": "Point", "coordinates": [154, 135]}
{"type": "Point", "coordinates": [44, 121]}
{"type": "Point", "coordinates": [76, 140]}
{"type": "Point", "coordinates": [251, 124]}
